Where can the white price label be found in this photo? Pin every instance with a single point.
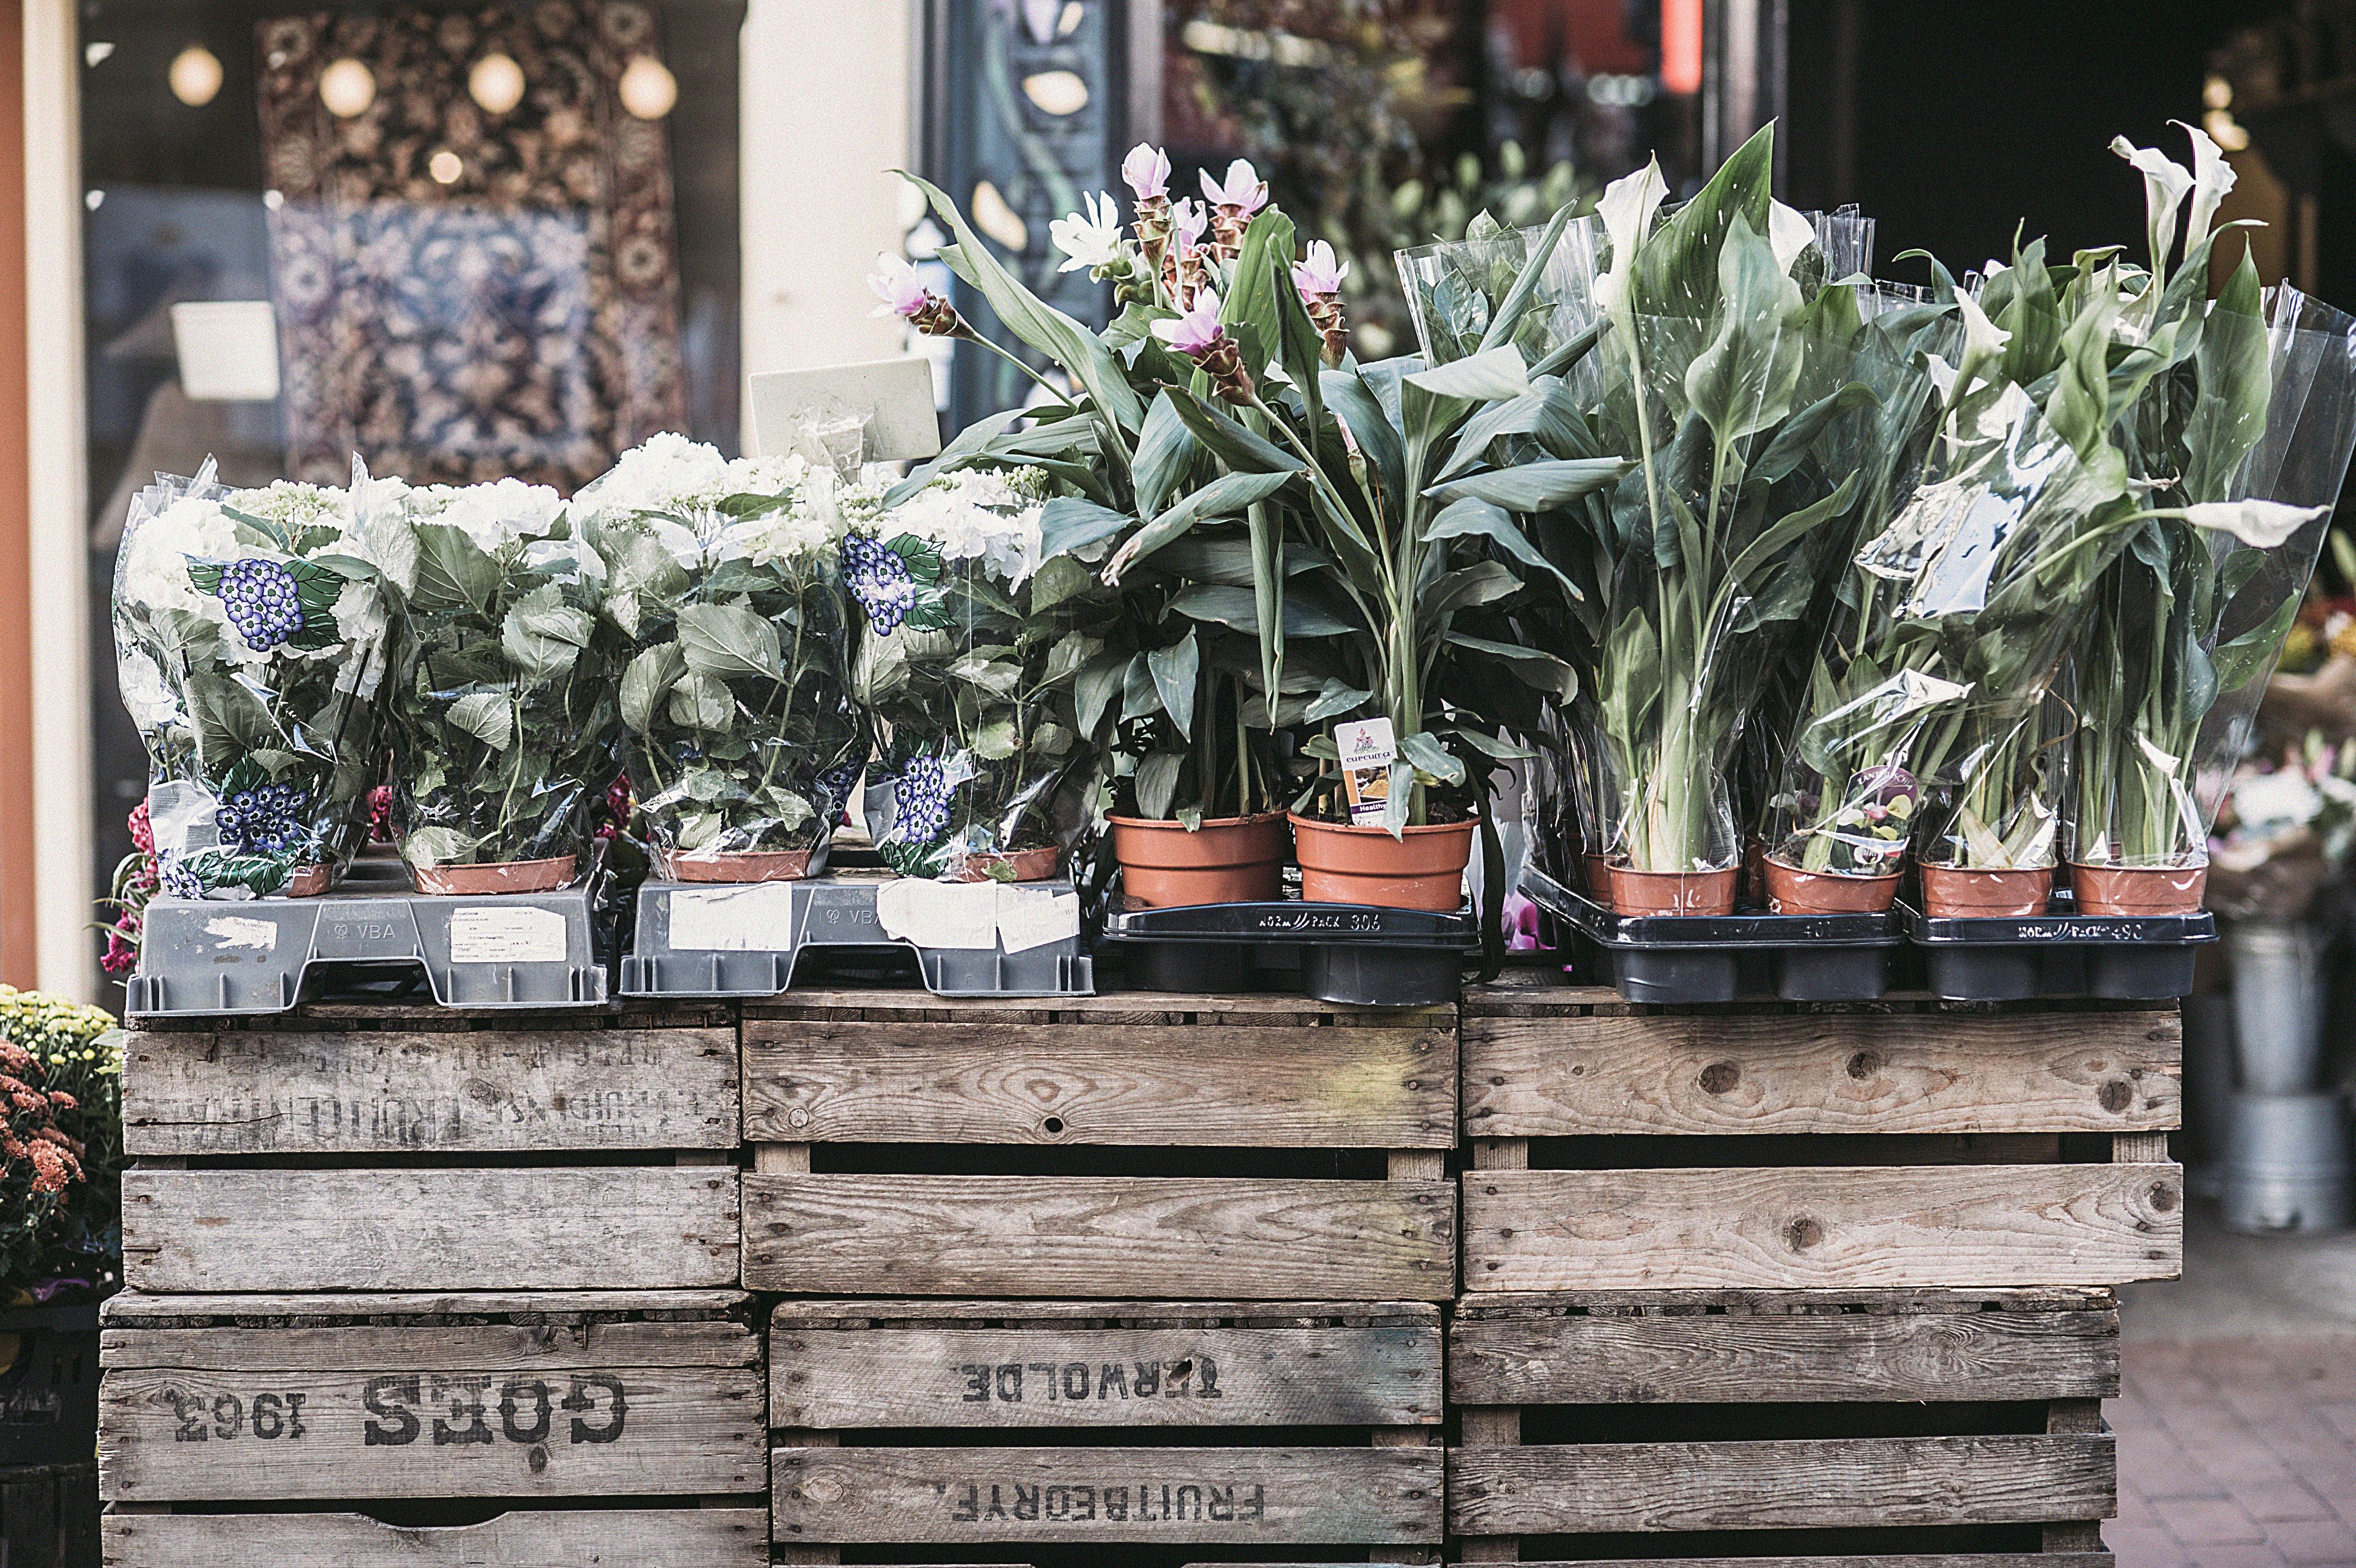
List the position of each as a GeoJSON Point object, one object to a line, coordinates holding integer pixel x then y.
{"type": "Point", "coordinates": [494, 933]}
{"type": "Point", "coordinates": [756, 917]}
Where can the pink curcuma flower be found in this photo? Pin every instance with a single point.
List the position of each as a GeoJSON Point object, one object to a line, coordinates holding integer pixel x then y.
{"type": "Point", "coordinates": [1319, 273]}
{"type": "Point", "coordinates": [1147, 170]}
{"type": "Point", "coordinates": [1198, 331]}
{"type": "Point", "coordinates": [1189, 220]}
{"type": "Point", "coordinates": [1243, 189]}
{"type": "Point", "coordinates": [895, 282]}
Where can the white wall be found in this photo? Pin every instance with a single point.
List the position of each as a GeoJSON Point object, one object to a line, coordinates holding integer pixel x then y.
{"type": "Point", "coordinates": [829, 100]}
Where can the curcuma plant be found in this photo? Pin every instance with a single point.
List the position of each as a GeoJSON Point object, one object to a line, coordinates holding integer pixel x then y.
{"type": "Point", "coordinates": [740, 740]}
{"type": "Point", "coordinates": [504, 719]}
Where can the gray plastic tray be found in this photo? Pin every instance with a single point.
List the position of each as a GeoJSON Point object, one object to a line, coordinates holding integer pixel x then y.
{"type": "Point", "coordinates": [207, 957]}
{"type": "Point", "coordinates": [744, 939]}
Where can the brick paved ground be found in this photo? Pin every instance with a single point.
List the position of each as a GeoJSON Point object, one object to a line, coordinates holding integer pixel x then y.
{"type": "Point", "coordinates": [2237, 1423]}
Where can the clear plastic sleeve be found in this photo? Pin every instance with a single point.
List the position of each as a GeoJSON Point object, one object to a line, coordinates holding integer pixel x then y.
{"type": "Point", "coordinates": [250, 633]}
{"type": "Point", "coordinates": [2167, 680]}
{"type": "Point", "coordinates": [968, 677]}
{"type": "Point", "coordinates": [506, 723]}
{"type": "Point", "coordinates": [741, 742]}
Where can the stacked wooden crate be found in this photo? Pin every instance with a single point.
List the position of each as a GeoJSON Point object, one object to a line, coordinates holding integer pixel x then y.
{"type": "Point", "coordinates": [426, 1286]}
{"type": "Point", "coordinates": [1778, 1282]}
{"type": "Point", "coordinates": [1162, 1276]}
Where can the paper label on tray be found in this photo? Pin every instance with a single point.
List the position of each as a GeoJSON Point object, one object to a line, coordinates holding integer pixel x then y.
{"type": "Point", "coordinates": [494, 933]}
{"type": "Point", "coordinates": [238, 931]}
{"type": "Point", "coordinates": [757, 917]}
{"type": "Point", "coordinates": [1033, 916]}
{"type": "Point", "coordinates": [940, 914]}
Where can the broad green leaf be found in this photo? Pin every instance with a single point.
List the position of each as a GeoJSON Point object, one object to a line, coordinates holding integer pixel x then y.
{"type": "Point", "coordinates": [544, 635]}
{"type": "Point", "coordinates": [1425, 751]}
{"type": "Point", "coordinates": [1226, 496]}
{"type": "Point", "coordinates": [488, 716]}
{"type": "Point", "coordinates": [729, 640]}
{"type": "Point", "coordinates": [1530, 666]}
{"type": "Point", "coordinates": [1469, 516]}
{"type": "Point", "coordinates": [453, 571]}
{"type": "Point", "coordinates": [1098, 683]}
{"type": "Point", "coordinates": [1357, 406]}
{"type": "Point", "coordinates": [2252, 654]}
{"type": "Point", "coordinates": [1068, 523]}
{"type": "Point", "coordinates": [1233, 445]}
{"type": "Point", "coordinates": [647, 681]}
{"type": "Point", "coordinates": [1535, 487]}
{"type": "Point", "coordinates": [1164, 449]}
{"type": "Point", "coordinates": [1156, 783]}
{"type": "Point", "coordinates": [1176, 670]}
{"type": "Point", "coordinates": [1234, 607]}
{"type": "Point", "coordinates": [1485, 376]}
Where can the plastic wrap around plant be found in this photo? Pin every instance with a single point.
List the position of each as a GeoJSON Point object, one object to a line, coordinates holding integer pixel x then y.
{"type": "Point", "coordinates": [251, 630]}
{"type": "Point", "coordinates": [967, 663]}
{"type": "Point", "coordinates": [505, 722]}
{"type": "Point", "coordinates": [2166, 681]}
{"type": "Point", "coordinates": [740, 735]}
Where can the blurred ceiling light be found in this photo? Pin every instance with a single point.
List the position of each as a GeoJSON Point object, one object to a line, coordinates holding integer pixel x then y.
{"type": "Point", "coordinates": [2225, 131]}
{"type": "Point", "coordinates": [999, 221]}
{"type": "Point", "coordinates": [1056, 92]}
{"type": "Point", "coordinates": [1681, 35]}
{"type": "Point", "coordinates": [195, 76]}
{"type": "Point", "coordinates": [93, 54]}
{"type": "Point", "coordinates": [273, 200]}
{"type": "Point", "coordinates": [1069, 23]}
{"type": "Point", "coordinates": [649, 91]}
{"type": "Point", "coordinates": [2217, 94]}
{"type": "Point", "coordinates": [445, 167]}
{"type": "Point", "coordinates": [93, 200]}
{"type": "Point", "coordinates": [347, 87]}
{"type": "Point", "coordinates": [496, 82]}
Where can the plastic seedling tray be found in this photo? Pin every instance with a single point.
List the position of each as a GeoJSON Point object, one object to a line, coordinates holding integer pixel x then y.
{"type": "Point", "coordinates": [1352, 954]}
{"type": "Point", "coordinates": [2127, 958]}
{"type": "Point", "coordinates": [203, 956]}
{"type": "Point", "coordinates": [760, 939]}
{"type": "Point", "coordinates": [1716, 958]}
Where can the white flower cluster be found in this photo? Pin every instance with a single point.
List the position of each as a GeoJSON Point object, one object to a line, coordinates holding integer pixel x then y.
{"type": "Point", "coordinates": [493, 516]}
{"type": "Point", "coordinates": [685, 481]}
{"type": "Point", "coordinates": [974, 514]}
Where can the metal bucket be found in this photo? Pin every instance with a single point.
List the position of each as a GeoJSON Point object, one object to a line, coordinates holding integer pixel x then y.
{"type": "Point", "coordinates": [2286, 1163]}
{"type": "Point", "coordinates": [2278, 990]}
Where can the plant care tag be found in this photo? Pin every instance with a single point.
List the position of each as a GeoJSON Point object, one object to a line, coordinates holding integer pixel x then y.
{"type": "Point", "coordinates": [507, 933]}
{"type": "Point", "coordinates": [940, 914]}
{"type": "Point", "coordinates": [1033, 916]}
{"type": "Point", "coordinates": [889, 400]}
{"type": "Point", "coordinates": [1367, 748]}
{"type": "Point", "coordinates": [757, 917]}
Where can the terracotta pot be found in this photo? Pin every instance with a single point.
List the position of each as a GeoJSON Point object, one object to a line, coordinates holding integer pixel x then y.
{"type": "Point", "coordinates": [2139, 889]}
{"type": "Point", "coordinates": [1637, 892]}
{"type": "Point", "coordinates": [497, 876]}
{"type": "Point", "coordinates": [1229, 859]}
{"type": "Point", "coordinates": [1599, 878]}
{"type": "Point", "coordinates": [1028, 865]}
{"type": "Point", "coordinates": [1792, 891]}
{"type": "Point", "coordinates": [743, 865]}
{"type": "Point", "coordinates": [1951, 893]}
{"type": "Point", "coordinates": [1423, 869]}
{"type": "Point", "coordinates": [310, 881]}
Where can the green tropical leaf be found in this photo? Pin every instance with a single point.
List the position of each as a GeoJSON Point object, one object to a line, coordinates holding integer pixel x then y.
{"type": "Point", "coordinates": [488, 716]}
{"type": "Point", "coordinates": [728, 640]}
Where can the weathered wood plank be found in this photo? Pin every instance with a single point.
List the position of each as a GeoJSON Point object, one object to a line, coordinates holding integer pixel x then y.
{"type": "Point", "coordinates": [1055, 1376]}
{"type": "Point", "coordinates": [589, 1538]}
{"type": "Point", "coordinates": [1945, 1356]}
{"type": "Point", "coordinates": [1847, 1072]}
{"type": "Point", "coordinates": [610, 1227]}
{"type": "Point", "coordinates": [1778, 1303]}
{"type": "Point", "coordinates": [622, 1409]}
{"type": "Point", "coordinates": [1864, 1227]}
{"type": "Point", "coordinates": [131, 1308]}
{"type": "Point", "coordinates": [971, 1496]}
{"type": "Point", "coordinates": [935, 1312]}
{"type": "Point", "coordinates": [1123, 1008]}
{"type": "Point", "coordinates": [1936, 1559]}
{"type": "Point", "coordinates": [1099, 1236]}
{"type": "Point", "coordinates": [1788, 1484]}
{"type": "Point", "coordinates": [1352, 1085]}
{"type": "Point", "coordinates": [370, 1091]}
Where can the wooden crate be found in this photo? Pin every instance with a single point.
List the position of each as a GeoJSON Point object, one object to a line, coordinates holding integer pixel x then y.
{"type": "Point", "coordinates": [1893, 1146]}
{"type": "Point", "coordinates": [436, 1150]}
{"type": "Point", "coordinates": [1091, 1134]}
{"type": "Point", "coordinates": [212, 1405]}
{"type": "Point", "coordinates": [1944, 1429]}
{"type": "Point", "coordinates": [1124, 1426]}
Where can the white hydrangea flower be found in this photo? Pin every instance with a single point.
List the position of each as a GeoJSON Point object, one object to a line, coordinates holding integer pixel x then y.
{"type": "Point", "coordinates": [152, 704]}
{"type": "Point", "coordinates": [978, 515]}
{"type": "Point", "coordinates": [155, 575]}
{"type": "Point", "coordinates": [663, 473]}
{"type": "Point", "coordinates": [360, 614]}
{"type": "Point", "coordinates": [294, 505]}
{"type": "Point", "coordinates": [493, 516]}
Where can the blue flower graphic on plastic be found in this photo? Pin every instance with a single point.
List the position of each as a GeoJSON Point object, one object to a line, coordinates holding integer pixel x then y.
{"type": "Point", "coordinates": [262, 821]}
{"type": "Point", "coordinates": [263, 602]}
{"type": "Point", "coordinates": [836, 784]}
{"type": "Point", "coordinates": [880, 581]}
{"type": "Point", "coordinates": [179, 881]}
{"type": "Point", "coordinates": [920, 801]}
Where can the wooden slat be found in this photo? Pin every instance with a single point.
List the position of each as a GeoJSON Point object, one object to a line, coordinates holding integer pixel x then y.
{"type": "Point", "coordinates": [131, 1308]}
{"type": "Point", "coordinates": [1837, 1072]}
{"type": "Point", "coordinates": [589, 1538]}
{"type": "Point", "coordinates": [253, 1416]}
{"type": "Point", "coordinates": [1177, 1495]}
{"type": "Point", "coordinates": [1124, 1008]}
{"type": "Point", "coordinates": [1936, 1560]}
{"type": "Point", "coordinates": [1788, 1484]}
{"type": "Point", "coordinates": [934, 1312]}
{"type": "Point", "coordinates": [1100, 1236]}
{"type": "Point", "coordinates": [1733, 1359]}
{"type": "Point", "coordinates": [1057, 1375]}
{"type": "Point", "coordinates": [613, 1227]}
{"type": "Point", "coordinates": [1350, 1086]}
{"type": "Point", "coordinates": [1777, 1302]}
{"type": "Point", "coordinates": [1864, 1227]}
{"type": "Point", "coordinates": [371, 1090]}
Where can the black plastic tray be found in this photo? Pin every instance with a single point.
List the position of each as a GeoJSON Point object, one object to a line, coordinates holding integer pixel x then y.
{"type": "Point", "coordinates": [2125, 958]}
{"type": "Point", "coordinates": [1716, 958]}
{"type": "Point", "coordinates": [1355, 954]}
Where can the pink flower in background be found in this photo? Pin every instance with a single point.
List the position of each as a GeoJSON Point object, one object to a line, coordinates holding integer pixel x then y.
{"type": "Point", "coordinates": [1243, 189]}
{"type": "Point", "coordinates": [1319, 273]}
{"type": "Point", "coordinates": [1147, 170]}
{"type": "Point", "coordinates": [142, 832]}
{"type": "Point", "coordinates": [1198, 332]}
{"type": "Point", "coordinates": [1188, 219]}
{"type": "Point", "coordinates": [381, 813]}
{"type": "Point", "coordinates": [895, 282]}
